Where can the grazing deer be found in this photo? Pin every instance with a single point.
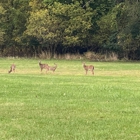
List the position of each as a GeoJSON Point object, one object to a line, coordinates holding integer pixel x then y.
{"type": "Point", "coordinates": [53, 68]}
{"type": "Point", "coordinates": [88, 67]}
{"type": "Point", "coordinates": [12, 68]}
{"type": "Point", "coordinates": [43, 66]}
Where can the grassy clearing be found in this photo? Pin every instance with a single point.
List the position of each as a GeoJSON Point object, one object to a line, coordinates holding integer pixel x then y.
{"type": "Point", "coordinates": [69, 104]}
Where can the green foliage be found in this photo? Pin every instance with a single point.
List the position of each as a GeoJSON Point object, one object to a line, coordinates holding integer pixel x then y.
{"type": "Point", "coordinates": [16, 16]}
{"type": "Point", "coordinates": [1, 37]}
{"type": "Point", "coordinates": [2, 19]}
{"type": "Point", "coordinates": [107, 33]}
{"type": "Point", "coordinates": [129, 28]}
{"type": "Point", "coordinates": [32, 26]}
{"type": "Point", "coordinates": [107, 25]}
{"type": "Point", "coordinates": [60, 24]}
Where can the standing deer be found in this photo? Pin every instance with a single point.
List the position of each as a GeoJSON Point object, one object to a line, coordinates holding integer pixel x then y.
{"type": "Point", "coordinates": [53, 68]}
{"type": "Point", "coordinates": [88, 67]}
{"type": "Point", "coordinates": [12, 68]}
{"type": "Point", "coordinates": [43, 66]}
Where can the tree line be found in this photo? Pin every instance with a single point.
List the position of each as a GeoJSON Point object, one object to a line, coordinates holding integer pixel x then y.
{"type": "Point", "coordinates": [30, 27]}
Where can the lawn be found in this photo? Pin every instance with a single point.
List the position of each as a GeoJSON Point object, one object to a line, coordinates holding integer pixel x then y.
{"type": "Point", "coordinates": [67, 104]}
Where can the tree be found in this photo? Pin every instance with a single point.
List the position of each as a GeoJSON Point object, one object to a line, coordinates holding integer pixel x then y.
{"type": "Point", "coordinates": [63, 24]}
{"type": "Point", "coordinates": [14, 24]}
{"type": "Point", "coordinates": [107, 33]}
{"type": "Point", "coordinates": [129, 28]}
{"type": "Point", "coordinates": [2, 19]}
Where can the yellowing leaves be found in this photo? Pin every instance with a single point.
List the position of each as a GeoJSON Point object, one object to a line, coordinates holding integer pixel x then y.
{"type": "Point", "coordinates": [68, 24]}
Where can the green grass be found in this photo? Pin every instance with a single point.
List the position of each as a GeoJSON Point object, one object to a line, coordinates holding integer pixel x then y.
{"type": "Point", "coordinates": [67, 104]}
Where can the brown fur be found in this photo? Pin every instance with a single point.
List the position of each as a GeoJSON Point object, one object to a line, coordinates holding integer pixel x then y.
{"type": "Point", "coordinates": [53, 68]}
{"type": "Point", "coordinates": [12, 68]}
{"type": "Point", "coordinates": [88, 67]}
{"type": "Point", "coordinates": [43, 66]}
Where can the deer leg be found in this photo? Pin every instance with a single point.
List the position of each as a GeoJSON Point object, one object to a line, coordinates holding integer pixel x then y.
{"type": "Point", "coordinates": [14, 70]}
{"type": "Point", "coordinates": [41, 70]}
{"type": "Point", "coordinates": [9, 71]}
{"type": "Point", "coordinates": [47, 70]}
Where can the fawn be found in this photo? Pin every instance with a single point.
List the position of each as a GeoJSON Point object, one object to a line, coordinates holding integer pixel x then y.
{"type": "Point", "coordinates": [53, 68]}
{"type": "Point", "coordinates": [43, 66]}
{"type": "Point", "coordinates": [88, 67]}
{"type": "Point", "coordinates": [12, 68]}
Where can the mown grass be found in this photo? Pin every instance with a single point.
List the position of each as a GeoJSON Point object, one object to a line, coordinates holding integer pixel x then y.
{"type": "Point", "coordinates": [68, 104]}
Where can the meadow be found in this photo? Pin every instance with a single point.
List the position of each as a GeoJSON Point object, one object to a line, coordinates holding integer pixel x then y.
{"type": "Point", "coordinates": [67, 104]}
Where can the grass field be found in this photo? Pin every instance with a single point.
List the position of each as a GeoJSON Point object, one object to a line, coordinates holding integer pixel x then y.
{"type": "Point", "coordinates": [67, 104]}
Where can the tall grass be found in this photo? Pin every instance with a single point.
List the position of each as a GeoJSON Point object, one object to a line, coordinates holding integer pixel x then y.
{"type": "Point", "coordinates": [68, 104]}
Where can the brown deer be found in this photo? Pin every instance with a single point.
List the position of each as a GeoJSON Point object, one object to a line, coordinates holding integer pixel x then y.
{"type": "Point", "coordinates": [53, 68]}
{"type": "Point", "coordinates": [88, 67]}
{"type": "Point", "coordinates": [43, 66]}
{"type": "Point", "coordinates": [12, 68]}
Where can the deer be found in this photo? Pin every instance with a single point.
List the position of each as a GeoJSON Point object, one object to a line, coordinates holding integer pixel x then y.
{"type": "Point", "coordinates": [88, 67]}
{"type": "Point", "coordinates": [43, 66]}
{"type": "Point", "coordinates": [53, 68]}
{"type": "Point", "coordinates": [12, 68]}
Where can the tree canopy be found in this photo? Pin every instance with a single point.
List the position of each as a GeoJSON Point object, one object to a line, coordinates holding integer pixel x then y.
{"type": "Point", "coordinates": [28, 27]}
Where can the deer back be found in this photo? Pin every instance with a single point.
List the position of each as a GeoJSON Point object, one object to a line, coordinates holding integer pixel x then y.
{"type": "Point", "coordinates": [88, 67]}
{"type": "Point", "coordinates": [53, 68]}
{"type": "Point", "coordinates": [43, 66]}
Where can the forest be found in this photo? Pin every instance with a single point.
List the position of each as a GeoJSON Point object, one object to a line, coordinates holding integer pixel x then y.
{"type": "Point", "coordinates": [29, 28]}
